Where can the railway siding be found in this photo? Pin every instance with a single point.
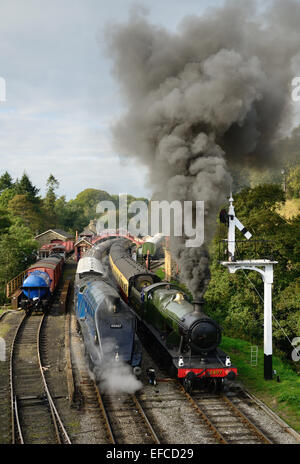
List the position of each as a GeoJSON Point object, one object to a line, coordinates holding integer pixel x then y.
{"type": "Point", "coordinates": [9, 321]}
{"type": "Point", "coordinates": [35, 419]}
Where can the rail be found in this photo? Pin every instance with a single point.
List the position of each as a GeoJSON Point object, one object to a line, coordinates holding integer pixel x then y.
{"type": "Point", "coordinates": [146, 420]}
{"type": "Point", "coordinates": [221, 439]}
{"type": "Point", "coordinates": [250, 426]}
{"type": "Point", "coordinates": [260, 435]}
{"type": "Point", "coordinates": [59, 429]}
{"type": "Point", "coordinates": [13, 402]}
{"type": "Point", "coordinates": [105, 416]}
{"type": "Point", "coordinates": [58, 425]}
{"type": "Point", "coordinates": [109, 423]}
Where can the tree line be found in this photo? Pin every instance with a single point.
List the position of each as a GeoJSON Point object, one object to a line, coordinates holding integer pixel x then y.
{"type": "Point", "coordinates": [24, 213]}
{"type": "Point", "coordinates": [232, 299]}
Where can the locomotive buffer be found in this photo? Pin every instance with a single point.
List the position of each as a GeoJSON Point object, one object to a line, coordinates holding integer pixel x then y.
{"type": "Point", "coordinates": [264, 267]}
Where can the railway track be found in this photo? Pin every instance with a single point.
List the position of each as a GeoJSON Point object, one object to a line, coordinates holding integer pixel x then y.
{"type": "Point", "coordinates": [227, 422]}
{"type": "Point", "coordinates": [205, 417]}
{"type": "Point", "coordinates": [9, 322]}
{"type": "Point", "coordinates": [34, 417]}
{"type": "Point", "coordinates": [126, 420]}
{"type": "Point", "coordinates": [113, 418]}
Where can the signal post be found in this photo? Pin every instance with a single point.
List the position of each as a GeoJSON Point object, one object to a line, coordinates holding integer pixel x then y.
{"type": "Point", "coordinates": [265, 268]}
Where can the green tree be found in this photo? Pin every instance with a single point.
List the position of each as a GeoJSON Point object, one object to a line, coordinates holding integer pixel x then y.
{"type": "Point", "coordinates": [17, 252]}
{"type": "Point", "coordinates": [25, 187]}
{"type": "Point", "coordinates": [287, 312]}
{"type": "Point", "coordinates": [52, 185]}
{"type": "Point", "coordinates": [6, 181]}
{"type": "Point", "coordinates": [6, 196]}
{"type": "Point", "coordinates": [21, 207]}
{"type": "Point", "coordinates": [293, 182]}
{"type": "Point", "coordinates": [68, 217]}
{"type": "Point", "coordinates": [5, 221]}
{"type": "Point", "coordinates": [49, 201]}
{"type": "Point", "coordinates": [83, 207]}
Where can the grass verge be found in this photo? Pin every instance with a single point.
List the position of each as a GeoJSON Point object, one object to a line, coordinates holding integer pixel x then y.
{"type": "Point", "coordinates": [282, 397]}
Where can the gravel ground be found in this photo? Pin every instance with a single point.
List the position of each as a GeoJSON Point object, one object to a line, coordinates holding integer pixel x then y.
{"type": "Point", "coordinates": [173, 418]}
{"type": "Point", "coordinates": [274, 427]}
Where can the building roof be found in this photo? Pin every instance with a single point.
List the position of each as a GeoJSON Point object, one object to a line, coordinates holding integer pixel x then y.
{"type": "Point", "coordinates": [51, 246]}
{"type": "Point", "coordinates": [82, 239]}
{"type": "Point", "coordinates": [60, 232]}
{"type": "Point", "coordinates": [87, 232]}
{"type": "Point", "coordinates": [89, 264]}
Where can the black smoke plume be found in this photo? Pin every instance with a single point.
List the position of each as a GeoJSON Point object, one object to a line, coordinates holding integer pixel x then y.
{"type": "Point", "coordinates": [212, 95]}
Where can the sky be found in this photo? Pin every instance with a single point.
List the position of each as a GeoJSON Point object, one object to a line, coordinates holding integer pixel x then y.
{"type": "Point", "coordinates": [61, 98]}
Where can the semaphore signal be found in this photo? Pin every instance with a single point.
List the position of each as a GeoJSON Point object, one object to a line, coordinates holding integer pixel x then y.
{"type": "Point", "coordinates": [232, 222]}
{"type": "Point", "coordinates": [264, 267]}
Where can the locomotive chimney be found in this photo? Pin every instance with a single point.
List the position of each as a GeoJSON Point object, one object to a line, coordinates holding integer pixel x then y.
{"type": "Point", "coordinates": [198, 306]}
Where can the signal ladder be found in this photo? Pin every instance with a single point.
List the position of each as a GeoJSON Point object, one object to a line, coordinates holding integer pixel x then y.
{"type": "Point", "coordinates": [254, 355]}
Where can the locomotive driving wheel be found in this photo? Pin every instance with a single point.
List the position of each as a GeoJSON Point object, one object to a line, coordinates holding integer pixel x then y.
{"type": "Point", "coordinates": [188, 382]}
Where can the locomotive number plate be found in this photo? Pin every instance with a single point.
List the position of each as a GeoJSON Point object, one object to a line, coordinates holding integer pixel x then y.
{"type": "Point", "coordinates": [216, 372]}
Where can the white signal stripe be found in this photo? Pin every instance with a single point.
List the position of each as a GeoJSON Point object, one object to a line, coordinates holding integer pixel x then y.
{"type": "Point", "coordinates": [243, 229]}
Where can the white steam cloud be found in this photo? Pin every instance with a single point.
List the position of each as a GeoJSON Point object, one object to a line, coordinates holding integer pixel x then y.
{"type": "Point", "coordinates": [115, 376]}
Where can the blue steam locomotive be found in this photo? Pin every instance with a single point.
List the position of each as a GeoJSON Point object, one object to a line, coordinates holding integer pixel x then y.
{"type": "Point", "coordinates": [107, 323]}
